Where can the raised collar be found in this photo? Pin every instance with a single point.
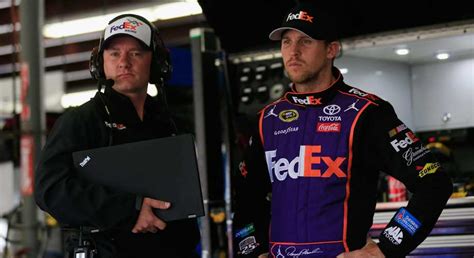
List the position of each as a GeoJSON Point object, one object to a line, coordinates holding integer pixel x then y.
{"type": "Point", "coordinates": [316, 98]}
{"type": "Point", "coordinates": [122, 109]}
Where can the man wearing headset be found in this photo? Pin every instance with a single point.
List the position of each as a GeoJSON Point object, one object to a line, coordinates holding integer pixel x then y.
{"type": "Point", "coordinates": [109, 222]}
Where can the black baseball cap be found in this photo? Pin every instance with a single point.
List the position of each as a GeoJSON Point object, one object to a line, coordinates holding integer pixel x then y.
{"type": "Point", "coordinates": [307, 18]}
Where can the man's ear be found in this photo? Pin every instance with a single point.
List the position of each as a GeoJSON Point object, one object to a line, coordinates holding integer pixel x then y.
{"type": "Point", "coordinates": [333, 49]}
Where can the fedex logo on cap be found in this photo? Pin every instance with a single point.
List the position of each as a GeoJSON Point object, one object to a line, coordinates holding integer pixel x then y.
{"type": "Point", "coordinates": [128, 25]}
{"type": "Point", "coordinates": [302, 15]}
{"type": "Point", "coordinates": [302, 165]}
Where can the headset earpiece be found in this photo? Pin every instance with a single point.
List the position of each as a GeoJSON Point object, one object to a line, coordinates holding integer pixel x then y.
{"type": "Point", "coordinates": [96, 67]}
{"type": "Point", "coordinates": [161, 67]}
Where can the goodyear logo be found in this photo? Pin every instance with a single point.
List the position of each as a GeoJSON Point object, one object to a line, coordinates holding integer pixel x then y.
{"type": "Point", "coordinates": [288, 115]}
{"type": "Point", "coordinates": [429, 168]}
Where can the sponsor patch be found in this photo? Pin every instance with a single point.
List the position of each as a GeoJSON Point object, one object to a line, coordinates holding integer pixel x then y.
{"type": "Point", "coordinates": [288, 115]}
{"type": "Point", "coordinates": [115, 125]}
{"type": "Point", "coordinates": [308, 100]}
{"type": "Point", "coordinates": [407, 221]}
{"type": "Point", "coordinates": [394, 234]}
{"type": "Point", "coordinates": [302, 15]}
{"type": "Point", "coordinates": [429, 168]}
{"type": "Point", "coordinates": [247, 245]}
{"type": "Point", "coordinates": [352, 106]}
{"type": "Point", "coordinates": [271, 112]}
{"type": "Point", "coordinates": [328, 127]}
{"type": "Point", "coordinates": [363, 94]}
{"type": "Point", "coordinates": [329, 118]}
{"type": "Point", "coordinates": [285, 131]}
{"type": "Point", "coordinates": [414, 154]}
{"type": "Point", "coordinates": [397, 130]}
{"type": "Point", "coordinates": [243, 169]}
{"type": "Point", "coordinates": [307, 164]}
{"type": "Point", "coordinates": [247, 230]}
{"type": "Point", "coordinates": [409, 139]}
{"type": "Point", "coordinates": [331, 110]}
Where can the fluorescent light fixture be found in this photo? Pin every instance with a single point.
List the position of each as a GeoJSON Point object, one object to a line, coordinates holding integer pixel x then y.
{"type": "Point", "coordinates": [98, 23]}
{"type": "Point", "coordinates": [402, 51]}
{"type": "Point", "coordinates": [442, 56]}
{"type": "Point", "coordinates": [7, 4]}
{"type": "Point", "coordinates": [344, 70]}
{"type": "Point", "coordinates": [75, 99]}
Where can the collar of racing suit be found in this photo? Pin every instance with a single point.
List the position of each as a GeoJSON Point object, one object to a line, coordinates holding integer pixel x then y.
{"type": "Point", "coordinates": [316, 98]}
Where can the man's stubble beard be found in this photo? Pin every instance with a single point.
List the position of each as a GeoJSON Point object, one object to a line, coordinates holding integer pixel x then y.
{"type": "Point", "coordinates": [303, 78]}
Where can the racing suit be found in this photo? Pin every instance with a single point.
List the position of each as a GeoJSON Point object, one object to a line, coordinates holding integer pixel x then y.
{"type": "Point", "coordinates": [318, 156]}
{"type": "Point", "coordinates": [75, 202]}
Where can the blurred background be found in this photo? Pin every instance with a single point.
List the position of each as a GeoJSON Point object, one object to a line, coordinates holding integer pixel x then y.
{"type": "Point", "coordinates": [418, 55]}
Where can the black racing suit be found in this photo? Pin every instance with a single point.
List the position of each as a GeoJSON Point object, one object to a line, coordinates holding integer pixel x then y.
{"type": "Point", "coordinates": [318, 156]}
{"type": "Point", "coordinates": [76, 202]}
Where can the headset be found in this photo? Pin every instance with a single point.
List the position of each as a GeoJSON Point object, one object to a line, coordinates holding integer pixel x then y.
{"type": "Point", "coordinates": [160, 68]}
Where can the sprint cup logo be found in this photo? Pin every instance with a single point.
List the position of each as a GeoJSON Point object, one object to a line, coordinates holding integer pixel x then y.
{"type": "Point", "coordinates": [394, 234]}
{"type": "Point", "coordinates": [289, 115]}
{"type": "Point", "coordinates": [302, 165]}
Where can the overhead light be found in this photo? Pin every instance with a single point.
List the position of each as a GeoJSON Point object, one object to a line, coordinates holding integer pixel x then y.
{"type": "Point", "coordinates": [442, 56]}
{"type": "Point", "coordinates": [402, 51]}
{"type": "Point", "coordinates": [344, 70]}
{"type": "Point", "coordinates": [75, 99]}
{"type": "Point", "coordinates": [97, 23]}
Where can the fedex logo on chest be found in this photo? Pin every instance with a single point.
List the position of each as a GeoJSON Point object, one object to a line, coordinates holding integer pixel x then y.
{"type": "Point", "coordinates": [302, 165]}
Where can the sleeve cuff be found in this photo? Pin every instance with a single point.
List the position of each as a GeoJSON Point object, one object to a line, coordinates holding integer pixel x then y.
{"type": "Point", "coordinates": [138, 202]}
{"type": "Point", "coordinates": [396, 239]}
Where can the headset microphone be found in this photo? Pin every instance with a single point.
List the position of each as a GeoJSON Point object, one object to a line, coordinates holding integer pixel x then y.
{"type": "Point", "coordinates": [104, 82]}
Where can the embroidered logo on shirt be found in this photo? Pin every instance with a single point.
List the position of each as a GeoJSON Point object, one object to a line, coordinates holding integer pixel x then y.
{"type": "Point", "coordinates": [394, 234]}
{"type": "Point", "coordinates": [247, 230]}
{"type": "Point", "coordinates": [115, 125]}
{"type": "Point", "coordinates": [84, 162]}
{"type": "Point", "coordinates": [247, 245]}
{"type": "Point", "coordinates": [407, 221]}
{"type": "Point", "coordinates": [288, 115]}
{"type": "Point", "coordinates": [429, 168]}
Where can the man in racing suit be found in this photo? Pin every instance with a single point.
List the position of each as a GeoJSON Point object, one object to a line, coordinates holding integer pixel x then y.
{"type": "Point", "coordinates": [317, 156]}
{"type": "Point", "coordinates": [115, 223]}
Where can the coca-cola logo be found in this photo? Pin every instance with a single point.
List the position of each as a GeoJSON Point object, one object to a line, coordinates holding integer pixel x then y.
{"type": "Point", "coordinates": [328, 127]}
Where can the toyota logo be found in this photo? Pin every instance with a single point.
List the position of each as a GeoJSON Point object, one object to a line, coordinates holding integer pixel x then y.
{"type": "Point", "coordinates": [331, 110]}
